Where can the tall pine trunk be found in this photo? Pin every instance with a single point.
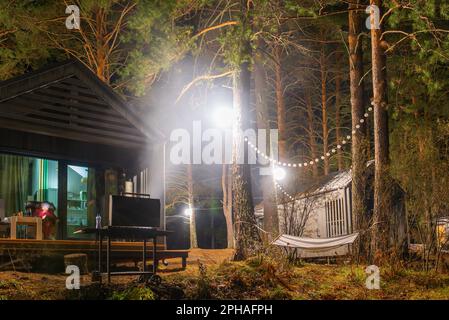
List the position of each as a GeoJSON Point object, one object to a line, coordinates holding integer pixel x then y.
{"type": "Point", "coordinates": [360, 143]}
{"type": "Point", "coordinates": [338, 117]}
{"type": "Point", "coordinates": [193, 237]}
{"type": "Point", "coordinates": [324, 124]}
{"type": "Point", "coordinates": [247, 237]}
{"type": "Point", "coordinates": [227, 204]}
{"type": "Point", "coordinates": [381, 225]}
{"type": "Point", "coordinates": [388, 232]}
{"type": "Point", "coordinates": [311, 130]}
{"type": "Point", "coordinates": [270, 214]}
{"type": "Point", "coordinates": [280, 103]}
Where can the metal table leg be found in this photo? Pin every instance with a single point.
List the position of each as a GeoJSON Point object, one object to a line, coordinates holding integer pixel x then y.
{"type": "Point", "coordinates": [154, 256]}
{"type": "Point", "coordinates": [108, 259]}
{"type": "Point", "coordinates": [100, 253]}
{"type": "Point", "coordinates": [144, 255]}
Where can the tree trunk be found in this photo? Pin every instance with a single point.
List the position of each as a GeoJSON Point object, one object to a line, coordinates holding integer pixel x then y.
{"type": "Point", "coordinates": [270, 219]}
{"type": "Point", "coordinates": [280, 103]}
{"type": "Point", "coordinates": [247, 238]}
{"type": "Point", "coordinates": [359, 141]}
{"type": "Point", "coordinates": [381, 225]}
{"type": "Point", "coordinates": [387, 234]}
{"type": "Point", "coordinates": [227, 204]}
{"type": "Point", "coordinates": [311, 130]}
{"type": "Point", "coordinates": [338, 117]}
{"type": "Point", "coordinates": [193, 238]}
{"type": "Point", "coordinates": [368, 127]}
{"type": "Point", "coordinates": [323, 72]}
{"type": "Point", "coordinates": [246, 233]}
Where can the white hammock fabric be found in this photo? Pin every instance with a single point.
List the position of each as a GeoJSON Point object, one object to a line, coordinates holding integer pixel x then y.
{"type": "Point", "coordinates": [314, 244]}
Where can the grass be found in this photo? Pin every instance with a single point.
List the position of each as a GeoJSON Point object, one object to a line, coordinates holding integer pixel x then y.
{"type": "Point", "coordinates": [10, 284]}
{"type": "Point", "coordinates": [269, 279]}
{"type": "Point", "coordinates": [134, 293]}
{"type": "Point", "coordinates": [13, 289]}
{"type": "Point", "coordinates": [261, 277]}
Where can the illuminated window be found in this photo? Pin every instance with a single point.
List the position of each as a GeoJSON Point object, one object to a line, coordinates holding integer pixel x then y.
{"type": "Point", "coordinates": [335, 218]}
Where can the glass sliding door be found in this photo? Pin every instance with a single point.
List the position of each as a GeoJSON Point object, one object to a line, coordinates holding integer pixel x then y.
{"type": "Point", "coordinates": [81, 194]}
{"type": "Point", "coordinates": [29, 185]}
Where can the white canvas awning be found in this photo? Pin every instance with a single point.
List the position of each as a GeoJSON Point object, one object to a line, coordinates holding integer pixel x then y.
{"type": "Point", "coordinates": [314, 244]}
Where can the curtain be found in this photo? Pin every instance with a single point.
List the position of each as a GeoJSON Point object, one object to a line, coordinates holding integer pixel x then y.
{"type": "Point", "coordinates": [91, 198]}
{"type": "Point", "coordinates": [14, 182]}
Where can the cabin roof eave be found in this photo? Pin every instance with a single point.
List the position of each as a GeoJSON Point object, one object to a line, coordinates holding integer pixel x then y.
{"type": "Point", "coordinates": [54, 74]}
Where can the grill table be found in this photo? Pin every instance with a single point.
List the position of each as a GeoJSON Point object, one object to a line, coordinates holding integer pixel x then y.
{"type": "Point", "coordinates": [128, 233]}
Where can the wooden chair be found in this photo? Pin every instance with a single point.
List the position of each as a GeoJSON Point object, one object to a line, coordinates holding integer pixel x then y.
{"type": "Point", "coordinates": [29, 221]}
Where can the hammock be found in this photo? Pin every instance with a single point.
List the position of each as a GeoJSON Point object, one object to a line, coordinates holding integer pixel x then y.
{"type": "Point", "coordinates": [312, 244]}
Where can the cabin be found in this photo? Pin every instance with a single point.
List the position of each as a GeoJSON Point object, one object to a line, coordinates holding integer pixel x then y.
{"type": "Point", "coordinates": [68, 140]}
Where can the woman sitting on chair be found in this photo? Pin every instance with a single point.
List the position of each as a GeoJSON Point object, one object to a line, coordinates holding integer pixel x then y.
{"type": "Point", "coordinates": [45, 211]}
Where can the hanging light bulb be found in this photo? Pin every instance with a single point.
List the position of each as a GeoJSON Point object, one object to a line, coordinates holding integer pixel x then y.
{"type": "Point", "coordinates": [188, 211]}
{"type": "Point", "coordinates": [279, 173]}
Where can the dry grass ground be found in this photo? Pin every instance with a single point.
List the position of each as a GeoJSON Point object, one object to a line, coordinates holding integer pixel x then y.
{"type": "Point", "coordinates": [211, 275]}
{"type": "Point", "coordinates": [28, 285]}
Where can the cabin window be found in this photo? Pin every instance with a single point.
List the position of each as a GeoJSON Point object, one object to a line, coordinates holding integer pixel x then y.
{"type": "Point", "coordinates": [81, 199]}
{"type": "Point", "coordinates": [335, 218]}
{"type": "Point", "coordinates": [24, 179]}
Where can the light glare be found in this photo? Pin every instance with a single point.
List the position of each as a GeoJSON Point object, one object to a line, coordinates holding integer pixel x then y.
{"type": "Point", "coordinates": [279, 173]}
{"type": "Point", "coordinates": [188, 212]}
{"type": "Point", "coordinates": [224, 117]}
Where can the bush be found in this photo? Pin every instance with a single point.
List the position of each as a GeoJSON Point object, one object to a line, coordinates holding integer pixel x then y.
{"type": "Point", "coordinates": [203, 289]}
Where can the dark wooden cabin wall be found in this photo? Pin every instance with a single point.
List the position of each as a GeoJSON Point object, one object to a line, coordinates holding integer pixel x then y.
{"type": "Point", "coordinates": [63, 149]}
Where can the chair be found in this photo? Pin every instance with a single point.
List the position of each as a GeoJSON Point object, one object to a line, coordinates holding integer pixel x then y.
{"type": "Point", "coordinates": [28, 221]}
{"type": "Point", "coordinates": [4, 226]}
{"type": "Point", "coordinates": [2, 210]}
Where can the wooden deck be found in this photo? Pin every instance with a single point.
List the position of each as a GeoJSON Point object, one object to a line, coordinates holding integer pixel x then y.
{"type": "Point", "coordinates": [121, 251]}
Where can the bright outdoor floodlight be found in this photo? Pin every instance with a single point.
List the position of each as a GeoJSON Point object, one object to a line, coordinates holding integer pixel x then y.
{"type": "Point", "coordinates": [188, 211]}
{"type": "Point", "coordinates": [279, 173]}
{"type": "Point", "coordinates": [224, 117]}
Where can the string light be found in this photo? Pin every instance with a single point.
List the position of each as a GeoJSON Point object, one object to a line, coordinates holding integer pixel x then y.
{"type": "Point", "coordinates": [316, 160]}
{"type": "Point", "coordinates": [312, 162]}
{"type": "Point", "coordinates": [279, 173]}
{"type": "Point", "coordinates": [281, 189]}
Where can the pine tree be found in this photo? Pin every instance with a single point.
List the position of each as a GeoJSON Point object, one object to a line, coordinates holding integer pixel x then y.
{"type": "Point", "coordinates": [125, 43]}
{"type": "Point", "coordinates": [360, 143]}
{"type": "Point", "coordinates": [247, 238]}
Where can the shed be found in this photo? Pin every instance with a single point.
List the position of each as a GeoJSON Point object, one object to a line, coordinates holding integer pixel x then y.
{"type": "Point", "coordinates": [324, 211]}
